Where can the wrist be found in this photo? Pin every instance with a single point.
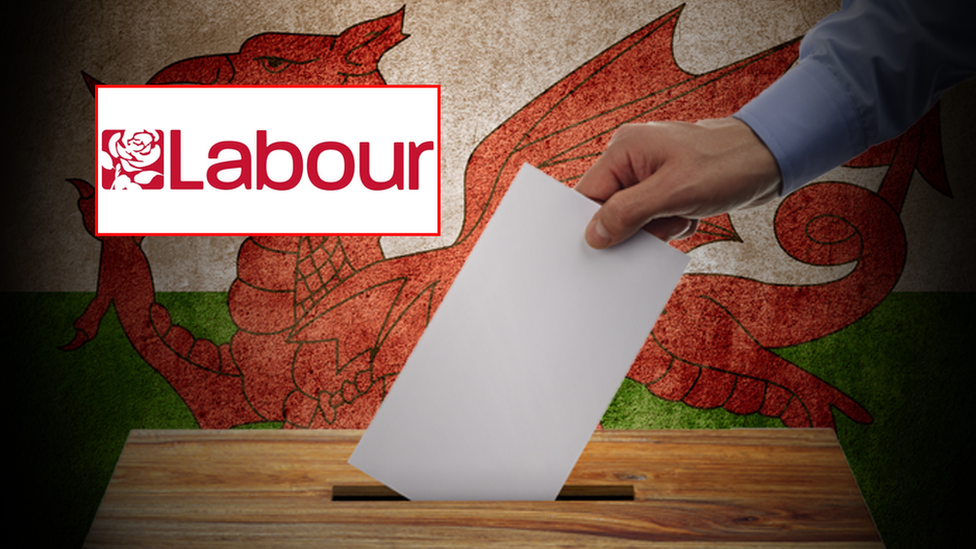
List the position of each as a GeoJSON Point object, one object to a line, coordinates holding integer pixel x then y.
{"type": "Point", "coordinates": [748, 158]}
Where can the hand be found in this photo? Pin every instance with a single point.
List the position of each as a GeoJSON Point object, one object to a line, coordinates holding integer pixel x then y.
{"type": "Point", "coordinates": [665, 176]}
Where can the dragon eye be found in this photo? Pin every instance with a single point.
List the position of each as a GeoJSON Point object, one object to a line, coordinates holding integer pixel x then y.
{"type": "Point", "coordinates": [275, 64]}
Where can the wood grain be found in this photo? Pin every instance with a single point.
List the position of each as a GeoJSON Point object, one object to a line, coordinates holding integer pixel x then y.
{"type": "Point", "coordinates": [737, 488]}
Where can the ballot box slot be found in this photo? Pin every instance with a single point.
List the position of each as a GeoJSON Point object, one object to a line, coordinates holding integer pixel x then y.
{"type": "Point", "coordinates": [372, 492]}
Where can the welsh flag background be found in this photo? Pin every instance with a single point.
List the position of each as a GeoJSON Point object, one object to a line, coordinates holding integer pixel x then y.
{"type": "Point", "coordinates": [848, 305]}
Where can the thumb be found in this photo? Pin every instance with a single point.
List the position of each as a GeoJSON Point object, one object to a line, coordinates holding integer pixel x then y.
{"type": "Point", "coordinates": [631, 209]}
{"type": "Point", "coordinates": [665, 228]}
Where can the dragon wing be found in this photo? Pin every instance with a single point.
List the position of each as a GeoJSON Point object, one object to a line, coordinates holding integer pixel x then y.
{"type": "Point", "coordinates": [567, 127]}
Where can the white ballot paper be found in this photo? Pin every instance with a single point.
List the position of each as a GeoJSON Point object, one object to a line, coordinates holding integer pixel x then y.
{"type": "Point", "coordinates": [523, 356]}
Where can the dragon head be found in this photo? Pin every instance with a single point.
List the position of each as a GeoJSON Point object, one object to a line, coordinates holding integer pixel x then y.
{"type": "Point", "coordinates": [294, 59]}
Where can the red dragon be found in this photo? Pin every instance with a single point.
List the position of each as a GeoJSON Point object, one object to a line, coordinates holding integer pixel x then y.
{"type": "Point", "coordinates": [326, 323]}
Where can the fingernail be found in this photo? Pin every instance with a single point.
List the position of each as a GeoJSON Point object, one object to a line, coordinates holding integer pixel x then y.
{"type": "Point", "coordinates": [596, 235]}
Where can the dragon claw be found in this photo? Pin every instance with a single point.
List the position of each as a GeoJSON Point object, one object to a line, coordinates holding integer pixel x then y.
{"type": "Point", "coordinates": [80, 339]}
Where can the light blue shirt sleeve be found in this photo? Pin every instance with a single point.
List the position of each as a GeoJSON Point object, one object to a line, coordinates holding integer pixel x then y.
{"type": "Point", "coordinates": [864, 75]}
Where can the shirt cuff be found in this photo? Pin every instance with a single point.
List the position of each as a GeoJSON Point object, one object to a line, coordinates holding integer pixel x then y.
{"type": "Point", "coordinates": [808, 121]}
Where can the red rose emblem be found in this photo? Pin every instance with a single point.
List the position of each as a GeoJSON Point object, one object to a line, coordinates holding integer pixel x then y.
{"type": "Point", "coordinates": [132, 159]}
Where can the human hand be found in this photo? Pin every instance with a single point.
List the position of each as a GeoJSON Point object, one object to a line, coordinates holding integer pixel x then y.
{"type": "Point", "coordinates": [665, 176]}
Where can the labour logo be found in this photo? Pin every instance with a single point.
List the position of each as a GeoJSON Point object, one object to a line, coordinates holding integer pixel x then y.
{"type": "Point", "coordinates": [132, 159]}
{"type": "Point", "coordinates": [327, 160]}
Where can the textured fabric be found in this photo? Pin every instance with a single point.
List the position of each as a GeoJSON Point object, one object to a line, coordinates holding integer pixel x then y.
{"type": "Point", "coordinates": [864, 75]}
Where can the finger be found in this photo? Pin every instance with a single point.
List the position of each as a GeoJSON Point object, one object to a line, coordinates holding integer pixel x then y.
{"type": "Point", "coordinates": [672, 228]}
{"type": "Point", "coordinates": [691, 230]}
{"type": "Point", "coordinates": [630, 209]}
{"type": "Point", "coordinates": [615, 168]}
{"type": "Point", "coordinates": [601, 181]}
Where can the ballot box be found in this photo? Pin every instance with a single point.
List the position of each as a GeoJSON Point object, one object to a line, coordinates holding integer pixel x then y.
{"type": "Point", "coordinates": [674, 488]}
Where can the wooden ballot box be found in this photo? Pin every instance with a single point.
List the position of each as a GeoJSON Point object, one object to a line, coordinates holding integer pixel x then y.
{"type": "Point", "coordinates": [704, 488]}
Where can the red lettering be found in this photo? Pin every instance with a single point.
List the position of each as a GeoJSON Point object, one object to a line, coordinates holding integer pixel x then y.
{"type": "Point", "coordinates": [348, 166]}
{"type": "Point", "coordinates": [264, 150]}
{"type": "Point", "coordinates": [244, 168]}
{"type": "Point", "coordinates": [243, 164]}
{"type": "Point", "coordinates": [396, 180]}
{"type": "Point", "coordinates": [415, 152]}
{"type": "Point", "coordinates": [175, 172]}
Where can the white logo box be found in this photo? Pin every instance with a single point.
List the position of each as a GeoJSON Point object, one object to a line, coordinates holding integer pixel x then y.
{"type": "Point", "coordinates": [305, 116]}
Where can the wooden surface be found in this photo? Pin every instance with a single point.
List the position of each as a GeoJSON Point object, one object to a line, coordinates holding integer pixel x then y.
{"type": "Point", "coordinates": [703, 488]}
